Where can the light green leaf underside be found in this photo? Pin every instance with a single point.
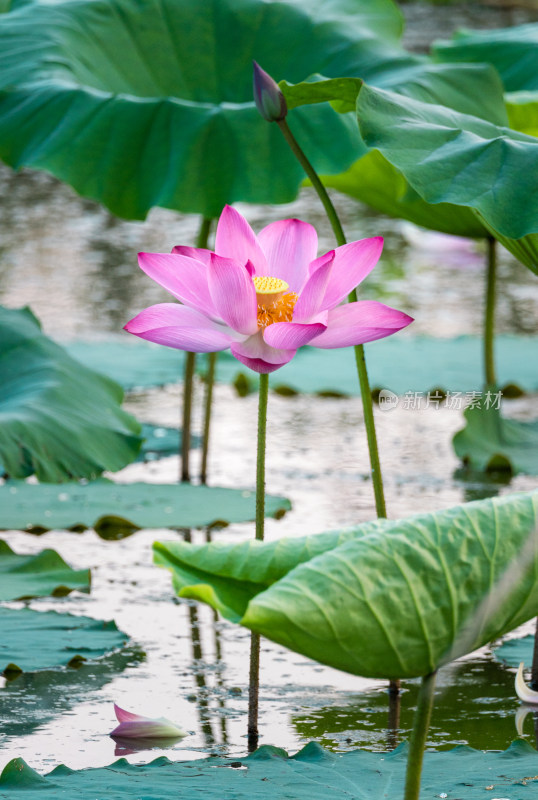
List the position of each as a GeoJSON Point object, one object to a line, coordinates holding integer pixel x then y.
{"type": "Point", "coordinates": [103, 503]}
{"type": "Point", "coordinates": [514, 651]}
{"type": "Point", "coordinates": [39, 575]}
{"type": "Point", "coordinates": [58, 419]}
{"type": "Point", "coordinates": [397, 363]}
{"type": "Point", "coordinates": [312, 774]}
{"type": "Point", "coordinates": [39, 640]}
{"type": "Point", "coordinates": [522, 109]}
{"type": "Point", "coordinates": [144, 104]}
{"type": "Point", "coordinates": [390, 601]}
{"type": "Point", "coordinates": [512, 51]}
{"type": "Point", "coordinates": [491, 441]}
{"type": "Point", "coordinates": [374, 181]}
{"type": "Point", "coordinates": [457, 158]}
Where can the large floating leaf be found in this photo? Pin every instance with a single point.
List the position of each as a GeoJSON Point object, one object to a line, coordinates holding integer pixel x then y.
{"type": "Point", "coordinates": [450, 157]}
{"type": "Point", "coordinates": [104, 504]}
{"type": "Point", "coordinates": [388, 603]}
{"type": "Point", "coordinates": [268, 774]}
{"type": "Point", "coordinates": [522, 109]}
{"type": "Point", "coordinates": [491, 441]}
{"type": "Point", "coordinates": [398, 363]}
{"type": "Point", "coordinates": [514, 651]}
{"type": "Point", "coordinates": [39, 575]}
{"type": "Point", "coordinates": [37, 640]}
{"type": "Point", "coordinates": [57, 418]}
{"type": "Point", "coordinates": [512, 51]}
{"type": "Point", "coordinates": [143, 104]}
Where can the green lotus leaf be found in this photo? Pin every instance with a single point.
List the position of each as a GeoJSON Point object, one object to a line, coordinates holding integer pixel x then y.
{"type": "Point", "coordinates": [390, 601]}
{"type": "Point", "coordinates": [401, 364]}
{"type": "Point", "coordinates": [458, 158]}
{"type": "Point", "coordinates": [38, 575]}
{"type": "Point", "coordinates": [58, 419]}
{"type": "Point", "coordinates": [375, 181]}
{"type": "Point", "coordinates": [269, 774]}
{"type": "Point", "coordinates": [104, 504]}
{"type": "Point", "coordinates": [512, 51]}
{"type": "Point", "coordinates": [38, 640]}
{"type": "Point", "coordinates": [490, 441]}
{"type": "Point", "coordinates": [150, 104]}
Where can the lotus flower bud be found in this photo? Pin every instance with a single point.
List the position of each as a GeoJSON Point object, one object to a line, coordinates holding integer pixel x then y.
{"type": "Point", "coordinates": [270, 101]}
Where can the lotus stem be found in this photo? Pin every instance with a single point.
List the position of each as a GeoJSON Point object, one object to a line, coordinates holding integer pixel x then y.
{"type": "Point", "coordinates": [489, 317]}
{"type": "Point", "coordinates": [208, 400]}
{"type": "Point", "coordinates": [254, 676]}
{"type": "Point", "coordinates": [421, 726]}
{"type": "Point", "coordinates": [188, 374]}
{"type": "Point", "coordinates": [534, 669]}
{"type": "Point", "coordinates": [190, 362]}
{"type": "Point", "coordinates": [366, 394]}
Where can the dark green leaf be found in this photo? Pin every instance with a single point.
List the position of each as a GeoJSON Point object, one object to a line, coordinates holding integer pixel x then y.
{"type": "Point", "coordinates": [389, 602]}
{"type": "Point", "coordinates": [490, 441]}
{"type": "Point", "coordinates": [143, 104]}
{"type": "Point", "coordinates": [142, 505]}
{"type": "Point", "coordinates": [269, 774]}
{"type": "Point", "coordinates": [512, 51]}
{"type": "Point", "coordinates": [58, 419]}
{"type": "Point", "coordinates": [39, 640]}
{"type": "Point", "coordinates": [39, 575]}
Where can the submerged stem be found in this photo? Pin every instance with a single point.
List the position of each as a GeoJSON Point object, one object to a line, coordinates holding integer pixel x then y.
{"type": "Point", "coordinates": [188, 375]}
{"type": "Point", "coordinates": [254, 675]}
{"type": "Point", "coordinates": [421, 725]}
{"type": "Point", "coordinates": [489, 316]}
{"type": "Point", "coordinates": [366, 394]}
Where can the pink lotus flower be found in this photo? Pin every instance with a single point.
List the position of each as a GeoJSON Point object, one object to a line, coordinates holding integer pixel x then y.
{"type": "Point", "coordinates": [134, 726]}
{"type": "Point", "coordinates": [264, 296]}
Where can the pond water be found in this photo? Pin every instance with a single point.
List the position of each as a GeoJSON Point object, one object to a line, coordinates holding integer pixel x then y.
{"type": "Point", "coordinates": [75, 266]}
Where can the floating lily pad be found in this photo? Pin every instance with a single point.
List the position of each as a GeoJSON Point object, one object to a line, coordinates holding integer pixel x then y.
{"type": "Point", "coordinates": [160, 442]}
{"type": "Point", "coordinates": [397, 363]}
{"type": "Point", "coordinates": [58, 419]}
{"type": "Point", "coordinates": [514, 651]}
{"type": "Point", "coordinates": [387, 599]}
{"type": "Point", "coordinates": [38, 640]}
{"type": "Point", "coordinates": [101, 503]}
{"type": "Point", "coordinates": [490, 441]}
{"type": "Point", "coordinates": [312, 774]}
{"type": "Point", "coordinates": [39, 575]}
{"type": "Point", "coordinates": [35, 698]}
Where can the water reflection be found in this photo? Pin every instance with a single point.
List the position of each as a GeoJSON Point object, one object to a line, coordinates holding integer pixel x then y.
{"type": "Point", "coordinates": [35, 698]}
{"type": "Point", "coordinates": [474, 705]}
